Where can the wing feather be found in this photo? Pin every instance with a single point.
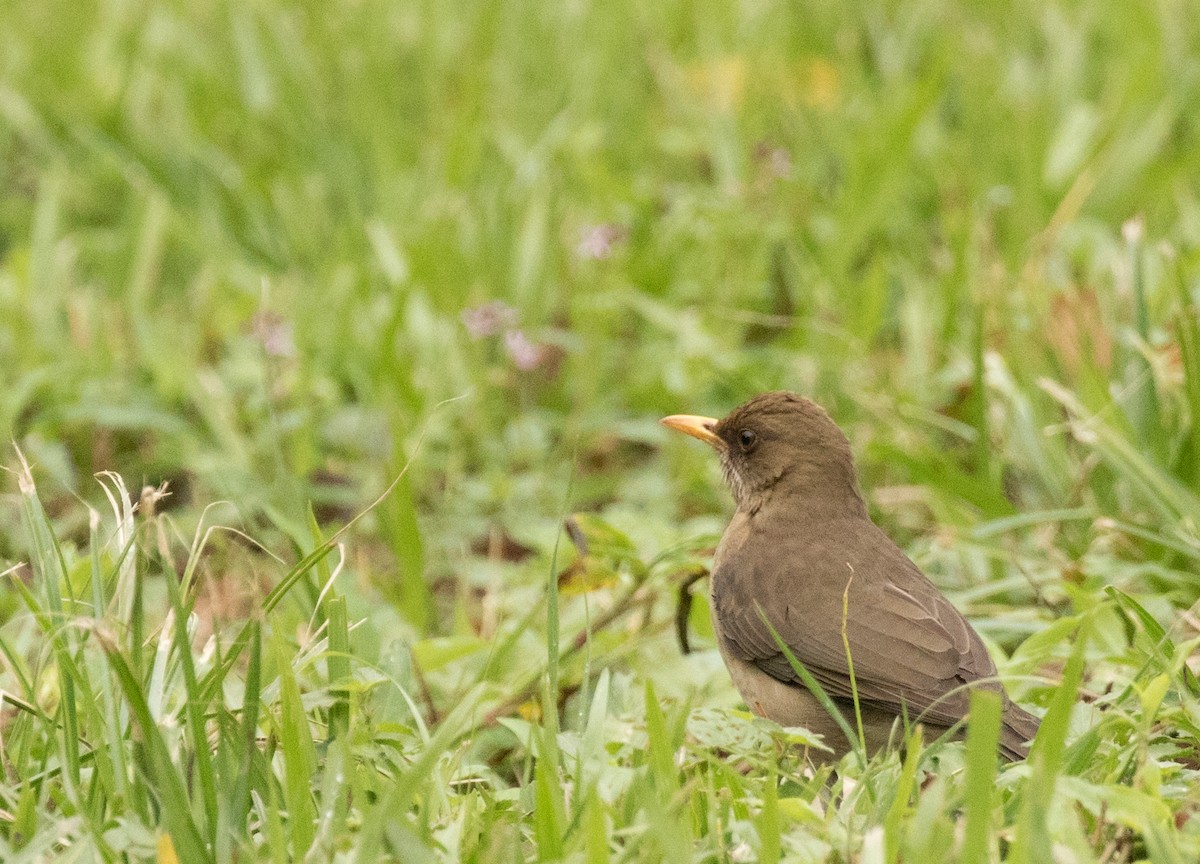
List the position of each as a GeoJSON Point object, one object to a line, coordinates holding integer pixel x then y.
{"type": "Point", "coordinates": [911, 648]}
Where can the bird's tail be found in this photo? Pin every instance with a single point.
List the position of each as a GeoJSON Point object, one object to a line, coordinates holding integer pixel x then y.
{"type": "Point", "coordinates": [1017, 729]}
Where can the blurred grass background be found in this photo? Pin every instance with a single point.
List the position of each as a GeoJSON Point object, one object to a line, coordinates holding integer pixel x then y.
{"type": "Point", "coordinates": [252, 250]}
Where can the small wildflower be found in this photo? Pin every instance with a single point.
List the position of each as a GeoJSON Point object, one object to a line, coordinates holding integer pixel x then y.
{"type": "Point", "coordinates": [275, 334]}
{"type": "Point", "coordinates": [525, 355]}
{"type": "Point", "coordinates": [488, 319]}
{"type": "Point", "coordinates": [597, 242]}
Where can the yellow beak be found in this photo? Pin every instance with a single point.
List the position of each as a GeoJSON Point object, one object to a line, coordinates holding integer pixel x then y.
{"type": "Point", "coordinates": [697, 427]}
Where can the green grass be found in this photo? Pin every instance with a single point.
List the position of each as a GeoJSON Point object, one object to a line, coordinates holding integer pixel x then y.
{"type": "Point", "coordinates": [239, 249]}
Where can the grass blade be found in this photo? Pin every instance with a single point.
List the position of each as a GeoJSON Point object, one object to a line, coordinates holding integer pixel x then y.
{"type": "Point", "coordinates": [168, 785]}
{"type": "Point", "coordinates": [818, 691]}
{"type": "Point", "coordinates": [983, 738]}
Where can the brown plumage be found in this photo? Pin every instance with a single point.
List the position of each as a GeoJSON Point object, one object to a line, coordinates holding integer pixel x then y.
{"type": "Point", "coordinates": [799, 544]}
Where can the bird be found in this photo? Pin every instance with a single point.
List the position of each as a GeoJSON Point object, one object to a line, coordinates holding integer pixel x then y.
{"type": "Point", "coordinates": [802, 557]}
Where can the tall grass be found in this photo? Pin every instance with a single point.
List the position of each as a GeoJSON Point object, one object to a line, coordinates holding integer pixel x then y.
{"type": "Point", "coordinates": [249, 250]}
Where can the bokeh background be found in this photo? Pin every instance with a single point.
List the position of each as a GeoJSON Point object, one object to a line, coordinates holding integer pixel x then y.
{"type": "Point", "coordinates": [275, 253]}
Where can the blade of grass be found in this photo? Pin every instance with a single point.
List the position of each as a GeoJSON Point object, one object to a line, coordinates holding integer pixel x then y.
{"type": "Point", "coordinates": [241, 760]}
{"type": "Point", "coordinates": [894, 820]}
{"type": "Point", "coordinates": [194, 710]}
{"type": "Point", "coordinates": [1187, 328]}
{"type": "Point", "coordinates": [114, 760]}
{"type": "Point", "coordinates": [338, 666]}
{"type": "Point", "coordinates": [983, 738]}
{"type": "Point", "coordinates": [549, 818]}
{"type": "Point", "coordinates": [550, 707]}
{"type": "Point", "coordinates": [662, 784]}
{"type": "Point", "coordinates": [333, 610]}
{"type": "Point", "coordinates": [166, 781]}
{"type": "Point", "coordinates": [48, 568]}
{"type": "Point", "coordinates": [768, 824]}
{"type": "Point", "coordinates": [595, 830]}
{"type": "Point", "coordinates": [862, 738]}
{"type": "Point", "coordinates": [660, 754]}
{"type": "Point", "coordinates": [817, 690]}
{"type": "Point", "coordinates": [1032, 842]}
{"type": "Point", "coordinates": [299, 756]}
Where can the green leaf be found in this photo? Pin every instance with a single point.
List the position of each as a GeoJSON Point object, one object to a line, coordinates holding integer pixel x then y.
{"type": "Point", "coordinates": [167, 783]}
{"type": "Point", "coordinates": [983, 737]}
{"type": "Point", "coordinates": [768, 823]}
{"type": "Point", "coordinates": [299, 756]}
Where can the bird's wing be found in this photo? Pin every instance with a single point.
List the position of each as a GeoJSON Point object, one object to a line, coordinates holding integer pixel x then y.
{"type": "Point", "coordinates": [910, 647]}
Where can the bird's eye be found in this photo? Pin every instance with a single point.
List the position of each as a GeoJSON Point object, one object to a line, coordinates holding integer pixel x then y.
{"type": "Point", "coordinates": [747, 438]}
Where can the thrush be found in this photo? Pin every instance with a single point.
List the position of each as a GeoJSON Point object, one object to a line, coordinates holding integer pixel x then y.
{"type": "Point", "coordinates": [801, 556]}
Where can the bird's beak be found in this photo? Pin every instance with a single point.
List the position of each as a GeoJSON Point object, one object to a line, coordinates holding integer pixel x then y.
{"type": "Point", "coordinates": [697, 427]}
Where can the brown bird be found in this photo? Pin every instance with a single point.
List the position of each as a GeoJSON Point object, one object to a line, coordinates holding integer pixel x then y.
{"type": "Point", "coordinates": [802, 550]}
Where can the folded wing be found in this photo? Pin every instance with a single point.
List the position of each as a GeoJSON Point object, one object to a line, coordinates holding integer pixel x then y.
{"type": "Point", "coordinates": [912, 651]}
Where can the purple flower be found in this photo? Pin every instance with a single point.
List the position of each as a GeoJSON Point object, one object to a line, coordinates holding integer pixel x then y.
{"type": "Point", "coordinates": [488, 319]}
{"type": "Point", "coordinates": [597, 242]}
{"type": "Point", "coordinates": [524, 354]}
{"type": "Point", "coordinates": [275, 333]}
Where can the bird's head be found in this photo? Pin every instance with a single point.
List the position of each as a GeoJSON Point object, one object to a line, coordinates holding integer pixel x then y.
{"type": "Point", "coordinates": [775, 440]}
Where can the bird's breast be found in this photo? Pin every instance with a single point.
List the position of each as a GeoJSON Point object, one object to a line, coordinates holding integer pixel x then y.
{"type": "Point", "coordinates": [737, 533]}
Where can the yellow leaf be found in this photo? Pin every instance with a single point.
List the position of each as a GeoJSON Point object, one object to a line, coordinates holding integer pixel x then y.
{"type": "Point", "coordinates": [166, 850]}
{"type": "Point", "coordinates": [585, 574]}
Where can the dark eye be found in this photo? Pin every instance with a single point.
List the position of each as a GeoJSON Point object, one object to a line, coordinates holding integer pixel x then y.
{"type": "Point", "coordinates": [747, 438]}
